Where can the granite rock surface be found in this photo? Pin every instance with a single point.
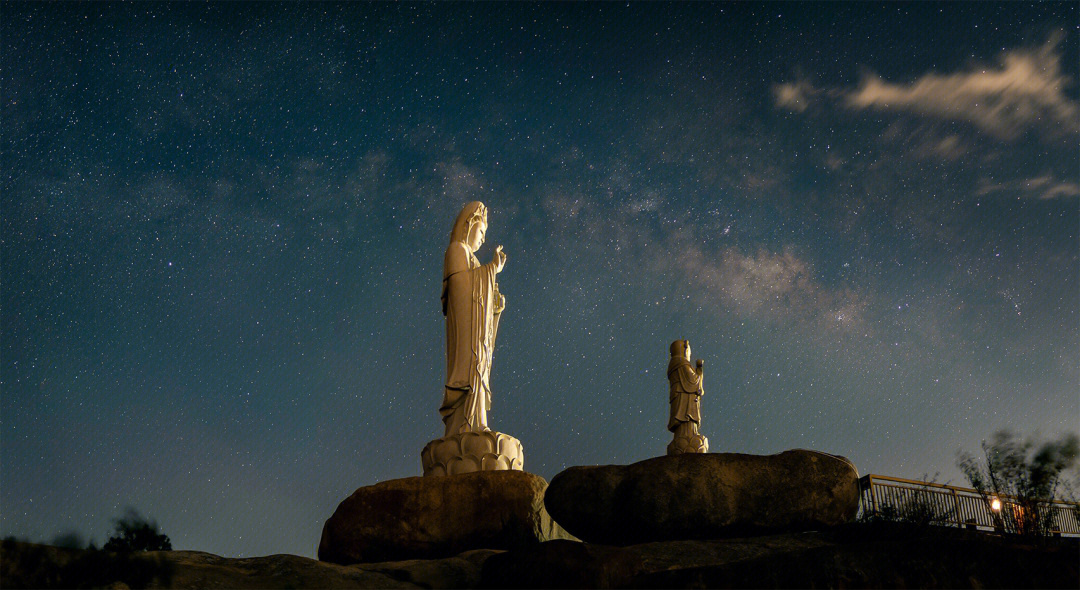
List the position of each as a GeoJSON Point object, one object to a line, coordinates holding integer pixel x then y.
{"type": "Point", "coordinates": [702, 496]}
{"type": "Point", "coordinates": [28, 565]}
{"type": "Point", "coordinates": [849, 556]}
{"type": "Point", "coordinates": [440, 516]}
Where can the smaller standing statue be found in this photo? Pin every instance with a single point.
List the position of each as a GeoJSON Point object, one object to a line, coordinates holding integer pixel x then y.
{"type": "Point", "coordinates": [684, 394]}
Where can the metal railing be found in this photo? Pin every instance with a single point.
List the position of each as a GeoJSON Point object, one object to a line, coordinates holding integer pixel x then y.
{"type": "Point", "coordinates": [953, 506]}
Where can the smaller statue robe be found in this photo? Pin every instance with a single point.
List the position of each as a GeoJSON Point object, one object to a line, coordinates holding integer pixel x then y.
{"type": "Point", "coordinates": [684, 394]}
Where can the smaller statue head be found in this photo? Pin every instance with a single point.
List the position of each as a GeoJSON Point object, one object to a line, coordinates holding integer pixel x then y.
{"type": "Point", "coordinates": [470, 227]}
{"type": "Point", "coordinates": [681, 348]}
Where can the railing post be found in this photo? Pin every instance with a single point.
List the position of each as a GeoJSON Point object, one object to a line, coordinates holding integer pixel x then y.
{"type": "Point", "coordinates": [873, 494]}
{"type": "Point", "coordinates": [956, 504]}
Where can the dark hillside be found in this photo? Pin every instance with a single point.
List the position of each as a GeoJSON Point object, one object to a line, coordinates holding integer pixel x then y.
{"type": "Point", "coordinates": [851, 556]}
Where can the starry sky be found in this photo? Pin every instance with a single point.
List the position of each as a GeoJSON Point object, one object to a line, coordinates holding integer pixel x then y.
{"type": "Point", "coordinates": [223, 229]}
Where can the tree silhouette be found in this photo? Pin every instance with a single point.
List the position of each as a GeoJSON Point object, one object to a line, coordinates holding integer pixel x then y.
{"type": "Point", "coordinates": [135, 533]}
{"type": "Point", "coordinates": [1018, 485]}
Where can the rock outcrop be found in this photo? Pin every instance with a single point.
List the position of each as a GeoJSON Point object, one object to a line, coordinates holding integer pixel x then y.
{"type": "Point", "coordinates": [441, 516]}
{"type": "Point", "coordinates": [849, 556]}
{"type": "Point", "coordinates": [27, 565]}
{"type": "Point", "coordinates": [701, 496]}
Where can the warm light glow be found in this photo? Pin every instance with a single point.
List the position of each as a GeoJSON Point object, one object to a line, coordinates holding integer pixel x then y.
{"type": "Point", "coordinates": [995, 505]}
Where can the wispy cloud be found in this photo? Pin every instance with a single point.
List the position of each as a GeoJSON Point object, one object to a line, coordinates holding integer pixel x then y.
{"type": "Point", "coordinates": [795, 96]}
{"type": "Point", "coordinates": [1041, 187]}
{"type": "Point", "coordinates": [926, 142]}
{"type": "Point", "coordinates": [1026, 90]}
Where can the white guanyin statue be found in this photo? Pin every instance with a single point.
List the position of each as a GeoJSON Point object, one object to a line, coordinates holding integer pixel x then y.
{"type": "Point", "coordinates": [472, 305]}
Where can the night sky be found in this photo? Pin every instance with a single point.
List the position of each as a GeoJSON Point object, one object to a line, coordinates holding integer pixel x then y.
{"type": "Point", "coordinates": [223, 229]}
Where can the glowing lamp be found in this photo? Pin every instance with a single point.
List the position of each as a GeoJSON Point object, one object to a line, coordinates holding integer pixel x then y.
{"type": "Point", "coordinates": [995, 505]}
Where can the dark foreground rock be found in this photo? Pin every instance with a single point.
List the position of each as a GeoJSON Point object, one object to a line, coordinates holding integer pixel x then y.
{"type": "Point", "coordinates": [848, 557]}
{"type": "Point", "coordinates": [27, 565]}
{"type": "Point", "coordinates": [702, 496]}
{"type": "Point", "coordinates": [441, 516]}
{"type": "Point", "coordinates": [851, 556]}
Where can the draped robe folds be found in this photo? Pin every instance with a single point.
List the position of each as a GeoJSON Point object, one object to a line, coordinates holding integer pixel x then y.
{"type": "Point", "coordinates": [468, 300]}
{"type": "Point", "coordinates": [684, 395]}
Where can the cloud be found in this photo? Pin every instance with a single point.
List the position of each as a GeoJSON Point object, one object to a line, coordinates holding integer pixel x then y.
{"type": "Point", "coordinates": [1025, 91]}
{"type": "Point", "coordinates": [1042, 187]}
{"type": "Point", "coordinates": [926, 142]}
{"type": "Point", "coordinates": [1060, 190]}
{"type": "Point", "coordinates": [795, 96]}
{"type": "Point", "coordinates": [774, 285]}
{"type": "Point", "coordinates": [949, 147]}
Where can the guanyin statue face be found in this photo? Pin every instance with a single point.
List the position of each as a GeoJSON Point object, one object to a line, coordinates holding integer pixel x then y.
{"type": "Point", "coordinates": [476, 235]}
{"type": "Point", "coordinates": [687, 351]}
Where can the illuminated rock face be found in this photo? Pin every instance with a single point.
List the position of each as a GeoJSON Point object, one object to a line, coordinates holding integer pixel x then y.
{"type": "Point", "coordinates": [433, 517]}
{"type": "Point", "coordinates": [702, 496]}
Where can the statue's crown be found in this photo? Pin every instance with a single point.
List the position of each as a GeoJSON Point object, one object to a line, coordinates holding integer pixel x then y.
{"type": "Point", "coordinates": [481, 212]}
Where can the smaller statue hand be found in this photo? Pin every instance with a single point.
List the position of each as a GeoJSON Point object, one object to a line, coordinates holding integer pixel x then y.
{"type": "Point", "coordinates": [499, 259]}
{"type": "Point", "coordinates": [700, 363]}
{"type": "Point", "coordinates": [500, 303]}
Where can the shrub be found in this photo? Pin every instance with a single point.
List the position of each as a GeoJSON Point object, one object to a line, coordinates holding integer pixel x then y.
{"type": "Point", "coordinates": [134, 533]}
{"type": "Point", "coordinates": [68, 540]}
{"type": "Point", "coordinates": [1023, 477]}
{"type": "Point", "coordinates": [28, 565]}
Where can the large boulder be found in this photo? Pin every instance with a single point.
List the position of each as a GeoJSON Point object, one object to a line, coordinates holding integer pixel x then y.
{"type": "Point", "coordinates": [439, 516]}
{"type": "Point", "coordinates": [700, 496]}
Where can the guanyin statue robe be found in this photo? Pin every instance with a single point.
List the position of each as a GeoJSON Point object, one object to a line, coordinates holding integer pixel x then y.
{"type": "Point", "coordinates": [470, 298]}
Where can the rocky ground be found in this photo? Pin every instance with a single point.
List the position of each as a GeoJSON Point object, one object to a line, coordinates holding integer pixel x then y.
{"type": "Point", "coordinates": [849, 556]}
